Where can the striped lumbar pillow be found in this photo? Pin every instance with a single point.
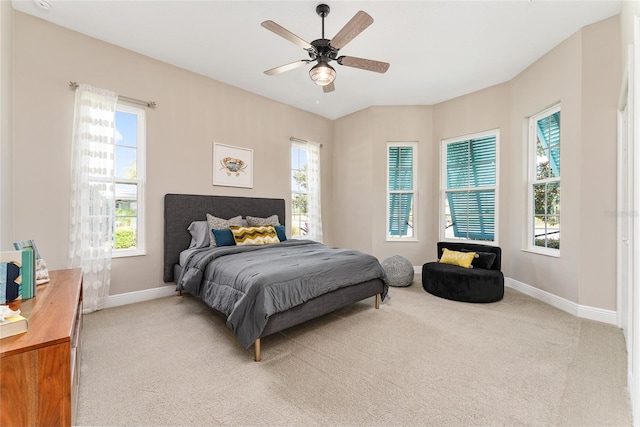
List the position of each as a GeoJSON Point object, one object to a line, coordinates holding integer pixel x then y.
{"type": "Point", "coordinates": [262, 235]}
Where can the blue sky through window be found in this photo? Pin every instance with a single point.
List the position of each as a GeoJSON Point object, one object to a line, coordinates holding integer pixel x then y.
{"type": "Point", "coordinates": [126, 142]}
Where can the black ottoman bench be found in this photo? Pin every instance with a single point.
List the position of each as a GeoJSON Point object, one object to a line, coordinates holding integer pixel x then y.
{"type": "Point", "coordinates": [483, 283]}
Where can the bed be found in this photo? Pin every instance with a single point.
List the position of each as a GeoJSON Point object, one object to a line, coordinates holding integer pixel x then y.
{"type": "Point", "coordinates": [265, 311]}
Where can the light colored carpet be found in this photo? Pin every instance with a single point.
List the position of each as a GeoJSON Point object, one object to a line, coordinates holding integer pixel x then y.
{"type": "Point", "coordinates": [419, 360]}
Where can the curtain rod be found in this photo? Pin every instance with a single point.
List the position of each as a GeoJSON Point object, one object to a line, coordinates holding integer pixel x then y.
{"type": "Point", "coordinates": [294, 139]}
{"type": "Point", "coordinates": [150, 104]}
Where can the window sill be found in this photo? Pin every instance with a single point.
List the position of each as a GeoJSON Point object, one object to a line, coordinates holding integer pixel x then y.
{"type": "Point", "coordinates": [471, 241]}
{"type": "Point", "coordinates": [127, 254]}
{"type": "Point", "coordinates": [413, 240]}
{"type": "Point", "coordinates": [553, 253]}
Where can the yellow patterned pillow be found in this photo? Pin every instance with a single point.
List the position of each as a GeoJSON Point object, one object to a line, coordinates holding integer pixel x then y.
{"type": "Point", "coordinates": [262, 235]}
{"type": "Point", "coordinates": [462, 259]}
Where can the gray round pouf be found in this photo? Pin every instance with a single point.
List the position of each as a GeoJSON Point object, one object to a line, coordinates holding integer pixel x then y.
{"type": "Point", "coordinates": [399, 271]}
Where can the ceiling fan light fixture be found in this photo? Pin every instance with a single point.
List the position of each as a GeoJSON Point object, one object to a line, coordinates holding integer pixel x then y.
{"type": "Point", "coordinates": [322, 73]}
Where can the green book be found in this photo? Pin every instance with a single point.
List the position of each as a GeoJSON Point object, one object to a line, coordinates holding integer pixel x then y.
{"type": "Point", "coordinates": [28, 274]}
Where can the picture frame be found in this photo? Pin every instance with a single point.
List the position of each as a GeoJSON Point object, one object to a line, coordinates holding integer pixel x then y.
{"type": "Point", "coordinates": [232, 166]}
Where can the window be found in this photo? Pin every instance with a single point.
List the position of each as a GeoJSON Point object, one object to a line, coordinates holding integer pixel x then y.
{"type": "Point", "coordinates": [129, 171]}
{"type": "Point", "coordinates": [469, 167]}
{"type": "Point", "coordinates": [401, 190]}
{"type": "Point", "coordinates": [544, 181]}
{"type": "Point", "coordinates": [306, 212]}
{"type": "Point", "coordinates": [299, 191]}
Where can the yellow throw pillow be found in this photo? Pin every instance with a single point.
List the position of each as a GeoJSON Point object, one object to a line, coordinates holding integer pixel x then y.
{"type": "Point", "coordinates": [262, 235]}
{"type": "Point", "coordinates": [462, 259]}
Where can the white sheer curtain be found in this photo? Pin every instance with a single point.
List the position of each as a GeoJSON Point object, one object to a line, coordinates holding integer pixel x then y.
{"type": "Point", "coordinates": [314, 206]}
{"type": "Point", "coordinates": [92, 192]}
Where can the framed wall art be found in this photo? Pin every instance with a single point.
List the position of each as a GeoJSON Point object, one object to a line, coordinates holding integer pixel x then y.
{"type": "Point", "coordinates": [232, 166]}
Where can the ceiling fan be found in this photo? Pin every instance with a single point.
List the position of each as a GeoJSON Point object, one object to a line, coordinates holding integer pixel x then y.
{"type": "Point", "coordinates": [324, 50]}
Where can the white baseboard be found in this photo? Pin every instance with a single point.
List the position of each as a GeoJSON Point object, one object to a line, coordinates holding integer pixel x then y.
{"type": "Point", "coordinates": [586, 312]}
{"type": "Point", "coordinates": [139, 296]}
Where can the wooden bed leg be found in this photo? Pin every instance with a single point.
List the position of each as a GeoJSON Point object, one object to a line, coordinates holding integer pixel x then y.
{"type": "Point", "coordinates": [256, 349]}
{"type": "Point", "coordinates": [377, 301]}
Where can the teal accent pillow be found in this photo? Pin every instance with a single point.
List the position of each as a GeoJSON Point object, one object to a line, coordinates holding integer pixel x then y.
{"type": "Point", "coordinates": [280, 231]}
{"type": "Point", "coordinates": [224, 237]}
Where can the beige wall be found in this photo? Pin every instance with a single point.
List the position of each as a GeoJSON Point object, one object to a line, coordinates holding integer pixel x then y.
{"type": "Point", "coordinates": [556, 77]}
{"type": "Point", "coordinates": [583, 74]}
{"type": "Point", "coordinates": [352, 182]}
{"type": "Point", "coordinates": [360, 173]}
{"type": "Point", "coordinates": [6, 124]}
{"type": "Point", "coordinates": [601, 80]}
{"type": "Point", "coordinates": [192, 113]}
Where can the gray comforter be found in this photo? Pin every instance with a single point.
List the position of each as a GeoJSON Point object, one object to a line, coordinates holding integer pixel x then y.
{"type": "Point", "coordinates": [250, 283]}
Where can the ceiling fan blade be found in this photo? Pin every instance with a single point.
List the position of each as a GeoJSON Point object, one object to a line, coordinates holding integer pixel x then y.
{"type": "Point", "coordinates": [286, 67]}
{"type": "Point", "coordinates": [282, 32]}
{"type": "Point", "coordinates": [329, 88]}
{"type": "Point", "coordinates": [364, 64]}
{"type": "Point", "coordinates": [355, 26]}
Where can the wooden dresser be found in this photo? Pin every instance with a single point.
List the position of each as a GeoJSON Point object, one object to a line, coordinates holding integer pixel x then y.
{"type": "Point", "coordinates": [40, 369]}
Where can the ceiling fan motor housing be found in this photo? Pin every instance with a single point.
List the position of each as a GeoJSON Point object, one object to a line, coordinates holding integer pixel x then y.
{"type": "Point", "coordinates": [323, 50]}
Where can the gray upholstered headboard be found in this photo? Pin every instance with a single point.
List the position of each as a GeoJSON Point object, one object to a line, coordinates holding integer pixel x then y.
{"type": "Point", "coordinates": [181, 209]}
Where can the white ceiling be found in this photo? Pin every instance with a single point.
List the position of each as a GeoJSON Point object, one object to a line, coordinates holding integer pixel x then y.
{"type": "Point", "coordinates": [438, 50]}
